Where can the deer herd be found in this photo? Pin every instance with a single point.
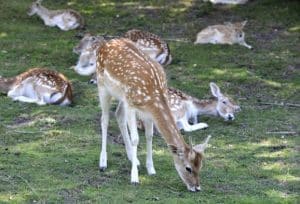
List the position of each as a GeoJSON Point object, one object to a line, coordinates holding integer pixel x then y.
{"type": "Point", "coordinates": [130, 69]}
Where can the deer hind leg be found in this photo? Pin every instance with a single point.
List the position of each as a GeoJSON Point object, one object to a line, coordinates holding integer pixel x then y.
{"type": "Point", "coordinates": [20, 93]}
{"type": "Point", "coordinates": [188, 128]}
{"type": "Point", "coordinates": [131, 120]}
{"type": "Point", "coordinates": [149, 135]}
{"type": "Point", "coordinates": [105, 100]}
{"type": "Point", "coordinates": [122, 122]}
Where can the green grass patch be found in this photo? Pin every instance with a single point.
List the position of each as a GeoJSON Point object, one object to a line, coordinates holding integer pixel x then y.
{"type": "Point", "coordinates": [50, 154]}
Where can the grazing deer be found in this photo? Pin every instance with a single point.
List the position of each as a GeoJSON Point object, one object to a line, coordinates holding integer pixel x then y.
{"type": "Point", "coordinates": [139, 83]}
{"type": "Point", "coordinates": [40, 86]}
{"type": "Point", "coordinates": [66, 19]}
{"type": "Point", "coordinates": [151, 44]}
{"type": "Point", "coordinates": [229, 33]}
{"type": "Point", "coordinates": [234, 2]}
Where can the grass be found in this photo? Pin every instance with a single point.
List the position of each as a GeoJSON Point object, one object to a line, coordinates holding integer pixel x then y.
{"type": "Point", "coordinates": [50, 153]}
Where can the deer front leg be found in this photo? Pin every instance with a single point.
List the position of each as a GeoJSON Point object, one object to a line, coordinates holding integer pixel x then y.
{"type": "Point", "coordinates": [188, 128]}
{"type": "Point", "coordinates": [131, 119]}
{"type": "Point", "coordinates": [149, 135]}
{"type": "Point", "coordinates": [246, 45]}
{"type": "Point", "coordinates": [105, 99]}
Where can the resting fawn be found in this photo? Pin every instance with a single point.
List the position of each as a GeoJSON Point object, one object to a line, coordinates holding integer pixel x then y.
{"type": "Point", "coordinates": [40, 86]}
{"type": "Point", "coordinates": [151, 44]}
{"type": "Point", "coordinates": [66, 19]}
{"type": "Point", "coordinates": [186, 108]}
{"type": "Point", "coordinates": [229, 33]}
{"type": "Point", "coordinates": [139, 83]}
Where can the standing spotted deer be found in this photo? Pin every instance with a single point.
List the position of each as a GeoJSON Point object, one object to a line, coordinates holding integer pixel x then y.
{"type": "Point", "coordinates": [139, 83]}
{"type": "Point", "coordinates": [151, 44]}
{"type": "Point", "coordinates": [229, 33]}
{"type": "Point", "coordinates": [66, 19]}
{"type": "Point", "coordinates": [40, 86]}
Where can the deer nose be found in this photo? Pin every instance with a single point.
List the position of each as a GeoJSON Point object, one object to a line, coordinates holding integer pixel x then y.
{"type": "Point", "coordinates": [230, 117]}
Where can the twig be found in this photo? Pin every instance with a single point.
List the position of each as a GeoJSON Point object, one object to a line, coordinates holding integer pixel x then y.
{"type": "Point", "coordinates": [178, 40]}
{"type": "Point", "coordinates": [291, 104]}
{"type": "Point", "coordinates": [280, 104]}
{"type": "Point", "coordinates": [283, 132]}
{"type": "Point", "coordinates": [26, 132]}
{"type": "Point", "coordinates": [28, 184]}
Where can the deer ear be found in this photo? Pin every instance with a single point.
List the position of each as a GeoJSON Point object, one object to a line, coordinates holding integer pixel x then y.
{"type": "Point", "coordinates": [215, 90]}
{"type": "Point", "coordinates": [244, 23]}
{"type": "Point", "coordinates": [237, 108]}
{"type": "Point", "coordinates": [201, 147]}
{"type": "Point", "coordinates": [87, 34]}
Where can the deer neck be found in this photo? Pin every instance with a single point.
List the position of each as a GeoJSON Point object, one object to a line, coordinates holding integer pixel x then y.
{"type": "Point", "coordinates": [165, 122]}
{"type": "Point", "coordinates": [206, 107]}
{"type": "Point", "coordinates": [6, 84]}
{"type": "Point", "coordinates": [44, 13]}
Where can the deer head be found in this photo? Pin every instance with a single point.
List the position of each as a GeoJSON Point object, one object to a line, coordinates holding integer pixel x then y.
{"type": "Point", "coordinates": [188, 163]}
{"type": "Point", "coordinates": [34, 7]}
{"type": "Point", "coordinates": [239, 33]}
{"type": "Point", "coordinates": [87, 42]}
{"type": "Point", "coordinates": [226, 107]}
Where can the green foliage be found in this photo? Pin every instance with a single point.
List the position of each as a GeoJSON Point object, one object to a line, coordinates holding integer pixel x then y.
{"type": "Point", "coordinates": [50, 154]}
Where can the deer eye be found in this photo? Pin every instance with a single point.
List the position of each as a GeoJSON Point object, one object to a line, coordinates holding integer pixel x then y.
{"type": "Point", "coordinates": [189, 169]}
{"type": "Point", "coordinates": [224, 102]}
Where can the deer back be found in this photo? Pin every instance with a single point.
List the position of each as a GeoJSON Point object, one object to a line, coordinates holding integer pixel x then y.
{"type": "Point", "coordinates": [151, 44]}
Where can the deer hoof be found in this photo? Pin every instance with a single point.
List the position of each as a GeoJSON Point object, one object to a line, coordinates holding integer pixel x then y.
{"type": "Point", "coordinates": [135, 183]}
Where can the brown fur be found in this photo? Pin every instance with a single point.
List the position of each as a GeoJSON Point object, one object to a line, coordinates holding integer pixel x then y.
{"type": "Point", "coordinates": [144, 39]}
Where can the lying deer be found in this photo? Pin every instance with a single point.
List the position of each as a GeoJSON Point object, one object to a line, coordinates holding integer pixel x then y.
{"type": "Point", "coordinates": [229, 33]}
{"type": "Point", "coordinates": [139, 83]}
{"type": "Point", "coordinates": [66, 19]}
{"type": "Point", "coordinates": [40, 86]}
{"type": "Point", "coordinates": [186, 108]}
{"type": "Point", "coordinates": [151, 44]}
{"type": "Point", "coordinates": [234, 2]}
